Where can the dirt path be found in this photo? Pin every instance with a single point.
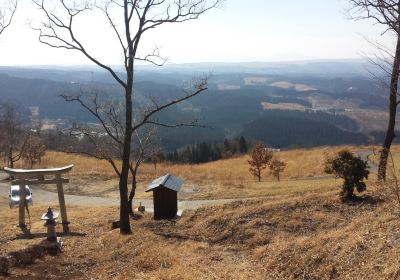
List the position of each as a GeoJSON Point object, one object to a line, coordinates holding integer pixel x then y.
{"type": "Point", "coordinates": [45, 197]}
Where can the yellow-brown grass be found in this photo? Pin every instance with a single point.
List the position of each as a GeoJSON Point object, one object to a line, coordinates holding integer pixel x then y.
{"type": "Point", "coordinates": [297, 237]}
{"type": "Point", "coordinates": [228, 178]}
{"type": "Point", "coordinates": [300, 163]}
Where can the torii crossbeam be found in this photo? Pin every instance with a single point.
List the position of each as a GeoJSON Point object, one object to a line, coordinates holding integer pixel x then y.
{"type": "Point", "coordinates": [24, 177]}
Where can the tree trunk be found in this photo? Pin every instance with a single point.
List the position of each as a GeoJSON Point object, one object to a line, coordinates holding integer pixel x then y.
{"type": "Point", "coordinates": [124, 208]}
{"type": "Point", "coordinates": [10, 159]}
{"type": "Point", "coordinates": [123, 178]}
{"type": "Point", "coordinates": [132, 194]}
{"type": "Point", "coordinates": [390, 133]}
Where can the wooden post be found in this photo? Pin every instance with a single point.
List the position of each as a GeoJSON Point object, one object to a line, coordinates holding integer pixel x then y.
{"type": "Point", "coordinates": [22, 203]}
{"type": "Point", "coordinates": [61, 200]}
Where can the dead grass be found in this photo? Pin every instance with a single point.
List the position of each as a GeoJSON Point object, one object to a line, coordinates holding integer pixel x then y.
{"type": "Point", "coordinates": [94, 251]}
{"type": "Point", "coordinates": [312, 236]}
{"type": "Point", "coordinates": [283, 106]}
{"type": "Point", "coordinates": [228, 178]}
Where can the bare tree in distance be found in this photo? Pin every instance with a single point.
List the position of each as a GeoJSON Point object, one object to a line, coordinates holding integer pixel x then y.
{"type": "Point", "coordinates": [260, 157]}
{"type": "Point", "coordinates": [13, 135]}
{"type": "Point", "coordinates": [129, 20]}
{"type": "Point", "coordinates": [276, 167]}
{"type": "Point", "coordinates": [34, 150]}
{"type": "Point", "coordinates": [7, 11]}
{"type": "Point", "coordinates": [386, 13]}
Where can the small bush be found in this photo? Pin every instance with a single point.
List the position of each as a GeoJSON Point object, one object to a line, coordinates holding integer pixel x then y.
{"type": "Point", "coordinates": [352, 169]}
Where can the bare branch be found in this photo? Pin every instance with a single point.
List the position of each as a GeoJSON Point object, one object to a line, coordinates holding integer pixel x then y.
{"type": "Point", "coordinates": [6, 14]}
{"type": "Point", "coordinates": [154, 58]}
{"type": "Point", "coordinates": [384, 12]}
{"type": "Point", "coordinates": [95, 111]}
{"type": "Point", "coordinates": [199, 87]}
{"type": "Point", "coordinates": [49, 35]}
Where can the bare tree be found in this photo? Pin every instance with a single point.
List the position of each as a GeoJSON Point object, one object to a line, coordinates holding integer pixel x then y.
{"type": "Point", "coordinates": [260, 157]}
{"type": "Point", "coordinates": [7, 11]}
{"type": "Point", "coordinates": [386, 13]}
{"type": "Point", "coordinates": [34, 150]}
{"type": "Point", "coordinates": [129, 20]}
{"type": "Point", "coordinates": [13, 136]}
{"type": "Point", "coordinates": [276, 167]}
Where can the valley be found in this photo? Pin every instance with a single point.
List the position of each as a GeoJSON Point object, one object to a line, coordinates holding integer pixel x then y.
{"type": "Point", "coordinates": [350, 104]}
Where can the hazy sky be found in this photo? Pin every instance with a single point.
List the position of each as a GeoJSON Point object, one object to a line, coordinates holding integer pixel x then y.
{"type": "Point", "coordinates": [252, 30]}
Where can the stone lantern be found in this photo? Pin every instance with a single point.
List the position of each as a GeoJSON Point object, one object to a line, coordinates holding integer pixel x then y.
{"type": "Point", "coordinates": [50, 219]}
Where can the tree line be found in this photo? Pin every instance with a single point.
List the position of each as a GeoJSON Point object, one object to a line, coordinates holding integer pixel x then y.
{"type": "Point", "coordinates": [205, 152]}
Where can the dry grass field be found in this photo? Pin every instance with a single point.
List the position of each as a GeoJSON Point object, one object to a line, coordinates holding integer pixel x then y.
{"type": "Point", "coordinates": [283, 106]}
{"type": "Point", "coordinates": [228, 178]}
{"type": "Point", "coordinates": [313, 236]}
{"type": "Point", "coordinates": [296, 229]}
{"type": "Point", "coordinates": [287, 85]}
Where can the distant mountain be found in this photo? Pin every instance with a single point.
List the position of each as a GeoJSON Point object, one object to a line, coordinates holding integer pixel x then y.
{"type": "Point", "coordinates": [283, 104]}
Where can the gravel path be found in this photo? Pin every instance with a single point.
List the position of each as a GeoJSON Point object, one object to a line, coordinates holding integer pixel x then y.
{"type": "Point", "coordinates": [45, 197]}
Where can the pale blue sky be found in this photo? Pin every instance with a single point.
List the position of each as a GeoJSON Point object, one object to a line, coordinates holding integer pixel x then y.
{"type": "Point", "coordinates": [252, 30]}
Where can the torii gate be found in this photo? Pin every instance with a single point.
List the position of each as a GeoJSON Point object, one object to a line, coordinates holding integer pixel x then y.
{"type": "Point", "coordinates": [24, 177]}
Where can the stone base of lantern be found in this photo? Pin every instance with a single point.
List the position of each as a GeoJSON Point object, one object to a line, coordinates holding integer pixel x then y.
{"type": "Point", "coordinates": [51, 231]}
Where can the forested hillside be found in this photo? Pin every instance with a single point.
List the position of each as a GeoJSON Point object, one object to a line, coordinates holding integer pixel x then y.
{"type": "Point", "coordinates": [263, 102]}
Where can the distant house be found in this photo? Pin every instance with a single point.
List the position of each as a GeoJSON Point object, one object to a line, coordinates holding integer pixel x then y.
{"type": "Point", "coordinates": [165, 196]}
{"type": "Point", "coordinates": [273, 150]}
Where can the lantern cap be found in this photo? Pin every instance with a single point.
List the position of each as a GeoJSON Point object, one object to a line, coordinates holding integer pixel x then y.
{"type": "Point", "coordinates": [50, 214]}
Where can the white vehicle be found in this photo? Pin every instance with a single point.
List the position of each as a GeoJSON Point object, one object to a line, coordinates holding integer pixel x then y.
{"type": "Point", "coordinates": [14, 196]}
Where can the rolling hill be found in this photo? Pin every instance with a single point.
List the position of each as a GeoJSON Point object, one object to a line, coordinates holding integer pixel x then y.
{"type": "Point", "coordinates": [292, 106]}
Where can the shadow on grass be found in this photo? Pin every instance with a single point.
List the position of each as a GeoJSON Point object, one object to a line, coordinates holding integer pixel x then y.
{"type": "Point", "coordinates": [44, 235]}
{"type": "Point", "coordinates": [366, 199]}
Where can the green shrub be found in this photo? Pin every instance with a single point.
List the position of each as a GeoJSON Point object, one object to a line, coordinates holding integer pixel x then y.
{"type": "Point", "coordinates": [352, 169]}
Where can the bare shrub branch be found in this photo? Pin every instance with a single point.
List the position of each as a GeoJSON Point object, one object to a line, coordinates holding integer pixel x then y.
{"type": "Point", "coordinates": [7, 11]}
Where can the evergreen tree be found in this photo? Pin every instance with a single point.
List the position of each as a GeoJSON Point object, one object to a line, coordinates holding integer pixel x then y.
{"type": "Point", "coordinates": [242, 145]}
{"type": "Point", "coordinates": [227, 145]}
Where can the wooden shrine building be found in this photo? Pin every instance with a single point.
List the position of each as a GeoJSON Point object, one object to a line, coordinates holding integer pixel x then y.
{"type": "Point", "coordinates": [165, 196]}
